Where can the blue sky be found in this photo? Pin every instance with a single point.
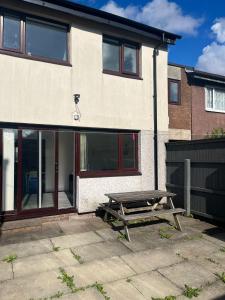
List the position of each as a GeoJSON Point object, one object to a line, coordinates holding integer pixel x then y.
{"type": "Point", "coordinates": [200, 22]}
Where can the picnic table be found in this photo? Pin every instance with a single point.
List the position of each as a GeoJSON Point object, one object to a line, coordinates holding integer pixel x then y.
{"type": "Point", "coordinates": [144, 204]}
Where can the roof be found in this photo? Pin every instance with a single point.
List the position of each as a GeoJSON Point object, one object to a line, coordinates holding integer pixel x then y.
{"type": "Point", "coordinates": [107, 18]}
{"type": "Point", "coordinates": [198, 74]}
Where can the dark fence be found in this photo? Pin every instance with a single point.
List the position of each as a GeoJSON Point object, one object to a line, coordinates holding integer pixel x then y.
{"type": "Point", "coordinates": [207, 175]}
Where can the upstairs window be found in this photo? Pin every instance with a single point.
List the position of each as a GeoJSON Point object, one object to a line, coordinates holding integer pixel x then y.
{"type": "Point", "coordinates": [215, 99]}
{"type": "Point", "coordinates": [33, 37]}
{"type": "Point", "coordinates": [120, 58]}
{"type": "Point", "coordinates": [174, 91]}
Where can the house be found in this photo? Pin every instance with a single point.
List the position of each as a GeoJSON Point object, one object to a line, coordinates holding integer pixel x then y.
{"type": "Point", "coordinates": [196, 102]}
{"type": "Point", "coordinates": [84, 107]}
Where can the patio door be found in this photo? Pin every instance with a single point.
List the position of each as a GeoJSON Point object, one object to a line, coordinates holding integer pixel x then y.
{"type": "Point", "coordinates": [37, 170]}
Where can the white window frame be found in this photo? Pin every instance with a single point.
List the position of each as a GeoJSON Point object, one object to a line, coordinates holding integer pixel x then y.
{"type": "Point", "coordinates": [212, 109]}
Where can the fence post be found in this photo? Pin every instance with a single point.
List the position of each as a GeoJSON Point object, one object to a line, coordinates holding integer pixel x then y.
{"type": "Point", "coordinates": [187, 186]}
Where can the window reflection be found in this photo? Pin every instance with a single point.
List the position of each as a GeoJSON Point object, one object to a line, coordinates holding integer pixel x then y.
{"type": "Point", "coordinates": [11, 32]}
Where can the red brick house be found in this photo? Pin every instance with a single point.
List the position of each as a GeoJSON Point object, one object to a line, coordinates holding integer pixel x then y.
{"type": "Point", "coordinates": [196, 102]}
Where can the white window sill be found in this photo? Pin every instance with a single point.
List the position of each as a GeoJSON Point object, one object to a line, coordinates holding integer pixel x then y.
{"type": "Point", "coordinates": [215, 110]}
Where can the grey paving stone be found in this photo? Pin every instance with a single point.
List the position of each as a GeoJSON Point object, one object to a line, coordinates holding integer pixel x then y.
{"type": "Point", "coordinates": [194, 248]}
{"type": "Point", "coordinates": [36, 286]}
{"type": "Point", "coordinates": [149, 260]}
{"type": "Point", "coordinates": [106, 270]}
{"type": "Point", "coordinates": [75, 226]}
{"type": "Point", "coordinates": [108, 234]}
{"type": "Point", "coordinates": [66, 257]}
{"type": "Point", "coordinates": [73, 240]}
{"type": "Point", "coordinates": [153, 284]}
{"type": "Point", "coordinates": [122, 290]}
{"type": "Point", "coordinates": [100, 250]}
{"type": "Point", "coordinates": [89, 294]}
{"type": "Point", "coordinates": [188, 273]}
{"type": "Point", "coordinates": [26, 249]}
{"type": "Point", "coordinates": [37, 263]}
{"type": "Point", "coordinates": [217, 239]}
{"type": "Point", "coordinates": [5, 271]}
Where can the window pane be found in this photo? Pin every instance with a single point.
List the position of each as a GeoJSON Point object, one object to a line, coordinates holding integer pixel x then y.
{"type": "Point", "coordinates": [130, 59]}
{"type": "Point", "coordinates": [129, 151]}
{"type": "Point", "coordinates": [98, 152]}
{"type": "Point", "coordinates": [174, 92]}
{"type": "Point", "coordinates": [46, 40]}
{"type": "Point", "coordinates": [11, 32]}
{"type": "Point", "coordinates": [111, 55]}
{"type": "Point", "coordinates": [209, 98]}
{"type": "Point", "coordinates": [219, 100]}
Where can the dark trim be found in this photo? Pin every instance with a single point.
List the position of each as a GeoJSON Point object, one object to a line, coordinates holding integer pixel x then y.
{"type": "Point", "coordinates": [179, 91]}
{"type": "Point", "coordinates": [21, 52]}
{"type": "Point", "coordinates": [120, 173]}
{"type": "Point", "coordinates": [56, 173]}
{"type": "Point", "coordinates": [100, 16]}
{"type": "Point", "coordinates": [121, 44]}
{"type": "Point", "coordinates": [122, 75]}
{"type": "Point", "coordinates": [1, 170]}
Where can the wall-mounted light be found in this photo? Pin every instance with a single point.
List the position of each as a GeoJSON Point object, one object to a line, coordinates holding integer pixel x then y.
{"type": "Point", "coordinates": [76, 114]}
{"type": "Point", "coordinates": [76, 98]}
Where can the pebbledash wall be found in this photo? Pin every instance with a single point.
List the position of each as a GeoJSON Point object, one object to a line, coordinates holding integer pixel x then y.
{"type": "Point", "coordinates": [42, 93]}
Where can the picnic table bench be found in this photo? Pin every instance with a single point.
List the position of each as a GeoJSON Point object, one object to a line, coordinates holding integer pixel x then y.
{"type": "Point", "coordinates": [143, 205]}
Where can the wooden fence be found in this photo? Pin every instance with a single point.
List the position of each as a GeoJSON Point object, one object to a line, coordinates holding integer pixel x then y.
{"type": "Point", "coordinates": [207, 175]}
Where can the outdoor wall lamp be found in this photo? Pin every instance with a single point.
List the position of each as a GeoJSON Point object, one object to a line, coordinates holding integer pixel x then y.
{"type": "Point", "coordinates": [76, 98]}
{"type": "Point", "coordinates": [76, 114]}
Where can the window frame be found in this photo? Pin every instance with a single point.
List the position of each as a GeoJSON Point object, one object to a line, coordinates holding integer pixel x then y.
{"type": "Point", "coordinates": [121, 171]}
{"type": "Point", "coordinates": [170, 80]}
{"type": "Point", "coordinates": [213, 93]}
{"type": "Point", "coordinates": [123, 43]}
{"type": "Point", "coordinates": [22, 51]}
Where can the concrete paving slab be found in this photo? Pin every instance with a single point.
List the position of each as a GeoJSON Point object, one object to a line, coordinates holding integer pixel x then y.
{"type": "Point", "coordinates": [194, 248]}
{"type": "Point", "coordinates": [89, 294]}
{"type": "Point", "coordinates": [106, 270]}
{"type": "Point", "coordinates": [5, 271]}
{"type": "Point", "coordinates": [217, 239]}
{"type": "Point", "coordinates": [97, 223]}
{"type": "Point", "coordinates": [108, 234]}
{"type": "Point", "coordinates": [75, 226]}
{"type": "Point", "coordinates": [35, 264]}
{"type": "Point", "coordinates": [149, 260]}
{"type": "Point", "coordinates": [26, 249]}
{"type": "Point", "coordinates": [122, 290]}
{"type": "Point", "coordinates": [74, 240]}
{"type": "Point", "coordinates": [37, 286]}
{"type": "Point", "coordinates": [153, 284]}
{"type": "Point", "coordinates": [188, 273]}
{"type": "Point", "coordinates": [66, 257]}
{"type": "Point", "coordinates": [101, 250]}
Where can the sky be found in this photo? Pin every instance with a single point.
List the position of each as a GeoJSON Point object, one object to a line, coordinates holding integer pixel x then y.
{"type": "Point", "coordinates": [200, 22]}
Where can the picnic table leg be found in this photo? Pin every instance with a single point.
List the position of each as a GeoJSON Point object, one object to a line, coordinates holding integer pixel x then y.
{"type": "Point", "coordinates": [106, 213]}
{"type": "Point", "coordinates": [125, 224]}
{"type": "Point", "coordinates": [175, 216]}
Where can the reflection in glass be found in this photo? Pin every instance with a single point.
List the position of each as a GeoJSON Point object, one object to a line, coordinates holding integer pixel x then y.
{"type": "Point", "coordinates": [130, 59]}
{"type": "Point", "coordinates": [11, 32]}
{"type": "Point", "coordinates": [111, 54]}
{"type": "Point", "coordinates": [174, 92]}
{"type": "Point", "coordinates": [99, 151]}
{"type": "Point", "coordinates": [46, 40]}
{"type": "Point", "coordinates": [9, 163]}
{"type": "Point", "coordinates": [128, 151]}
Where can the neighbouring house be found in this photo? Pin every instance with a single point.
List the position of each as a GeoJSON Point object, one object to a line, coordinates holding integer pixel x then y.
{"type": "Point", "coordinates": [84, 107]}
{"type": "Point", "coordinates": [196, 102]}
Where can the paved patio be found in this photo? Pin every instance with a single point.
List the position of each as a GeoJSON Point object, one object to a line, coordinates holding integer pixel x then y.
{"type": "Point", "coordinates": [159, 261]}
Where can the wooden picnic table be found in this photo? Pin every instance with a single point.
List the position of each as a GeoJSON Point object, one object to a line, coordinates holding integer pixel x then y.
{"type": "Point", "coordinates": [142, 201]}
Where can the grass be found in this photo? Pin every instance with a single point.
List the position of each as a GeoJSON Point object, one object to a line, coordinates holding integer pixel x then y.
{"type": "Point", "coordinates": [165, 298]}
{"type": "Point", "coordinates": [191, 292]}
{"type": "Point", "coordinates": [221, 276]}
{"type": "Point", "coordinates": [165, 235]}
{"type": "Point", "coordinates": [10, 258]}
{"type": "Point", "coordinates": [77, 257]}
{"type": "Point", "coordinates": [121, 236]}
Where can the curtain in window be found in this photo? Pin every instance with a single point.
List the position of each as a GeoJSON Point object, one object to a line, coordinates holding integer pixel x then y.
{"type": "Point", "coordinates": [219, 101]}
{"type": "Point", "coordinates": [83, 152]}
{"type": "Point", "coordinates": [210, 98]}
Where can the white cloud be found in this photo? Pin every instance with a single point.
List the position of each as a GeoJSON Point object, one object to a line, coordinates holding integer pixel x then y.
{"type": "Point", "coordinates": [158, 13]}
{"type": "Point", "coordinates": [212, 58]}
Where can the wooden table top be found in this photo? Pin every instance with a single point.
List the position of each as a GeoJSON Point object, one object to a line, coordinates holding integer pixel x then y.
{"type": "Point", "coordinates": [139, 196]}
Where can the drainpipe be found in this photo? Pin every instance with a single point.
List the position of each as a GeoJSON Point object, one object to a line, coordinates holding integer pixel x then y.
{"type": "Point", "coordinates": [155, 110]}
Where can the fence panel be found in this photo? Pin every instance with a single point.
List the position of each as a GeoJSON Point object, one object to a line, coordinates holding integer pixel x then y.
{"type": "Point", "coordinates": [207, 175]}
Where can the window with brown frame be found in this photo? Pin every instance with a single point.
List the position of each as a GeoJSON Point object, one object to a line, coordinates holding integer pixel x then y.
{"type": "Point", "coordinates": [120, 57]}
{"type": "Point", "coordinates": [174, 91]}
{"type": "Point", "coordinates": [108, 154]}
{"type": "Point", "coordinates": [32, 37]}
